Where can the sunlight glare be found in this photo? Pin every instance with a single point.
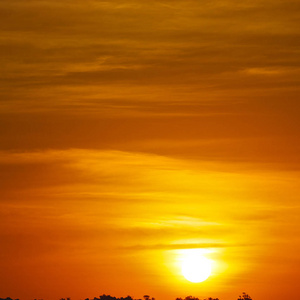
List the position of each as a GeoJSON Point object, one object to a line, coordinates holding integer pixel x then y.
{"type": "Point", "coordinates": [196, 267]}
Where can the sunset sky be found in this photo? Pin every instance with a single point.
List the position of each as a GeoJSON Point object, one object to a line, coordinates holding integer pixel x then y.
{"type": "Point", "coordinates": [133, 131]}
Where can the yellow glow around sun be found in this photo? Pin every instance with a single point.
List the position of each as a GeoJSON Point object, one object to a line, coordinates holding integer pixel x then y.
{"type": "Point", "coordinates": [195, 267]}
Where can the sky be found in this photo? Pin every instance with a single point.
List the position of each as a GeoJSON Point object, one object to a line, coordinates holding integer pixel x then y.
{"type": "Point", "coordinates": [134, 131]}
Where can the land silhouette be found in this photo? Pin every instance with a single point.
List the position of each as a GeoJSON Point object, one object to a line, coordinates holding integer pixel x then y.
{"type": "Point", "coordinates": [244, 296]}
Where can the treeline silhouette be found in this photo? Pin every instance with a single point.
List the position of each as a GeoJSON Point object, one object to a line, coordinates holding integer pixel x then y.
{"type": "Point", "coordinates": [195, 298]}
{"type": "Point", "coordinates": [244, 296]}
{"type": "Point", "coordinates": [108, 297]}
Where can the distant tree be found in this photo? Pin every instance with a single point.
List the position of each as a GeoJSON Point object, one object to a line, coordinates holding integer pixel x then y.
{"type": "Point", "coordinates": [191, 298]}
{"type": "Point", "coordinates": [244, 297]}
{"type": "Point", "coordinates": [195, 298]}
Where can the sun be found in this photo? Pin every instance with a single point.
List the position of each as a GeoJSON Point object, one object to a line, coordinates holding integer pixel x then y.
{"type": "Point", "coordinates": [195, 267]}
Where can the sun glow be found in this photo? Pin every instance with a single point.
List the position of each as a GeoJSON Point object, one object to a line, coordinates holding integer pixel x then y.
{"type": "Point", "coordinates": [195, 266]}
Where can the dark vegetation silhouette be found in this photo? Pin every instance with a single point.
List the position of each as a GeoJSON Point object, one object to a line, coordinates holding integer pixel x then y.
{"type": "Point", "coordinates": [244, 296]}
{"type": "Point", "coordinates": [109, 297]}
{"type": "Point", "coordinates": [195, 298]}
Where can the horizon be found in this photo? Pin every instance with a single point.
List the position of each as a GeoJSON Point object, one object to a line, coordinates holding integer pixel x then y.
{"type": "Point", "coordinates": [244, 296]}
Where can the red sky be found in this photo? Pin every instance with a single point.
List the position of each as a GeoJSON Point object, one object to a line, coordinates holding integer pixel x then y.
{"type": "Point", "coordinates": [131, 131]}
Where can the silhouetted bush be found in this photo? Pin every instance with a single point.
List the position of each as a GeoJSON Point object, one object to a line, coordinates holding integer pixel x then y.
{"type": "Point", "coordinates": [244, 297]}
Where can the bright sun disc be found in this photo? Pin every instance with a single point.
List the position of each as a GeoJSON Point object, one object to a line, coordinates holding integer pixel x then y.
{"type": "Point", "coordinates": [196, 267]}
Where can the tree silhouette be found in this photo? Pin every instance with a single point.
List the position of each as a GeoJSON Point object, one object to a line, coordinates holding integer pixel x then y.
{"type": "Point", "coordinates": [195, 298]}
{"type": "Point", "coordinates": [191, 298]}
{"type": "Point", "coordinates": [244, 297]}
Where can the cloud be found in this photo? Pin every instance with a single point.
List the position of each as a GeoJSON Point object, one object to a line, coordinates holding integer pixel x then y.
{"type": "Point", "coordinates": [262, 71]}
{"type": "Point", "coordinates": [176, 246]}
{"type": "Point", "coordinates": [96, 211]}
{"type": "Point", "coordinates": [50, 48]}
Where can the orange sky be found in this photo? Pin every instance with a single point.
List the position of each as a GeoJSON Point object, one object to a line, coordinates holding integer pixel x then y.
{"type": "Point", "coordinates": [132, 130]}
